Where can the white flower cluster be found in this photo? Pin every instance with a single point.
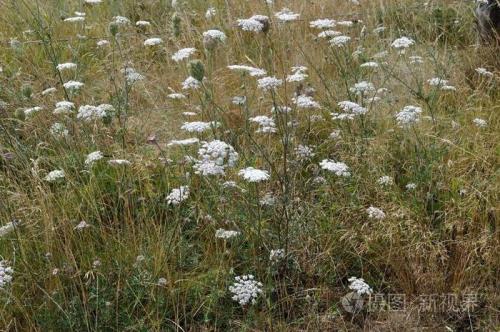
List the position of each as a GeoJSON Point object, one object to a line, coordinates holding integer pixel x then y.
{"type": "Point", "coordinates": [298, 74]}
{"type": "Point", "coordinates": [441, 84]}
{"type": "Point", "coordinates": [385, 180]}
{"type": "Point", "coordinates": [214, 35]}
{"type": "Point", "coordinates": [66, 66]}
{"type": "Point", "coordinates": [5, 274]}
{"type": "Point", "coordinates": [484, 72]}
{"type": "Point", "coordinates": [32, 110]}
{"type": "Point", "coordinates": [245, 289]}
{"type": "Point", "coordinates": [183, 54]}
{"type": "Point", "coordinates": [198, 126]}
{"type": "Point", "coordinates": [269, 83]}
{"type": "Point", "coordinates": [183, 142]}
{"type": "Point", "coordinates": [93, 157]}
{"type": "Point", "coordinates": [153, 41]}
{"type": "Point", "coordinates": [256, 23]}
{"type": "Point", "coordinates": [362, 88]}
{"type": "Point", "coordinates": [191, 83]}
{"type": "Point", "coordinates": [408, 115]}
{"type": "Point", "coordinates": [304, 101]}
{"type": "Point", "coordinates": [286, 15]}
{"type": "Point", "coordinates": [251, 174]}
{"type": "Point", "coordinates": [481, 123]}
{"type": "Point", "coordinates": [375, 213]}
{"type": "Point", "coordinates": [178, 195]}
{"type": "Point", "coordinates": [131, 75]}
{"type": "Point", "coordinates": [359, 286]}
{"type": "Point", "coordinates": [73, 85]}
{"type": "Point", "coordinates": [323, 23]}
{"type": "Point", "coordinates": [329, 33]}
{"type": "Point", "coordinates": [64, 107]}
{"type": "Point", "coordinates": [225, 234]}
{"type": "Point", "coordinates": [55, 175]}
{"type": "Point", "coordinates": [304, 152]}
{"type": "Point", "coordinates": [351, 109]}
{"type": "Point", "coordinates": [339, 168]}
{"type": "Point", "coordinates": [402, 43]}
{"type": "Point", "coordinates": [266, 124]}
{"type": "Point", "coordinates": [59, 130]}
{"type": "Point", "coordinates": [252, 71]}
{"type": "Point", "coordinates": [340, 41]}
{"type": "Point", "coordinates": [89, 112]}
{"type": "Point", "coordinates": [214, 158]}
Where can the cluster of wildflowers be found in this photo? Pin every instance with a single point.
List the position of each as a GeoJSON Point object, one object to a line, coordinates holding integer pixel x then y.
{"type": "Point", "coordinates": [6, 273]}
{"type": "Point", "coordinates": [214, 158]}
{"type": "Point", "coordinates": [55, 175]}
{"type": "Point", "coordinates": [245, 289]}
{"type": "Point", "coordinates": [338, 168]}
{"type": "Point", "coordinates": [226, 234]}
{"type": "Point", "coordinates": [178, 195]}
{"type": "Point", "coordinates": [359, 286]}
{"type": "Point", "coordinates": [251, 174]}
{"type": "Point", "coordinates": [375, 213]}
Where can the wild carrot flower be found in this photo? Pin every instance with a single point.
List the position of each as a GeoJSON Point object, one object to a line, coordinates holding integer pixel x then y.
{"type": "Point", "coordinates": [183, 54]}
{"type": "Point", "coordinates": [119, 162]}
{"type": "Point", "coordinates": [481, 123]}
{"type": "Point", "coordinates": [338, 168]}
{"type": "Point", "coordinates": [304, 152]}
{"type": "Point", "coordinates": [329, 33]}
{"type": "Point", "coordinates": [153, 41]}
{"type": "Point", "coordinates": [73, 85]}
{"type": "Point", "coordinates": [55, 175]}
{"type": "Point", "coordinates": [402, 43]}
{"type": "Point", "coordinates": [66, 66]}
{"type": "Point", "coordinates": [266, 124]}
{"type": "Point", "coordinates": [245, 289]}
{"type": "Point", "coordinates": [408, 115]}
{"type": "Point", "coordinates": [256, 23]}
{"type": "Point", "coordinates": [324, 23]}
{"type": "Point", "coordinates": [178, 195]}
{"type": "Point", "coordinates": [6, 273]}
{"type": "Point", "coordinates": [411, 186]}
{"type": "Point", "coordinates": [64, 107]}
{"type": "Point", "coordinates": [385, 180]}
{"type": "Point", "coordinates": [183, 142]}
{"type": "Point", "coordinates": [340, 41]}
{"type": "Point", "coordinates": [252, 71]}
{"type": "Point", "coordinates": [303, 101]}
{"type": "Point", "coordinates": [251, 174]}
{"type": "Point", "coordinates": [286, 15]}
{"type": "Point", "coordinates": [93, 157]}
{"type": "Point", "coordinates": [102, 43]}
{"type": "Point", "coordinates": [197, 126]}
{"type": "Point", "coordinates": [59, 130]}
{"type": "Point", "coordinates": [269, 83]}
{"type": "Point", "coordinates": [191, 83]}
{"type": "Point", "coordinates": [82, 225]}
{"type": "Point", "coordinates": [226, 234]}
{"type": "Point", "coordinates": [298, 74]}
{"type": "Point", "coordinates": [32, 110]}
{"type": "Point", "coordinates": [89, 112]}
{"type": "Point", "coordinates": [375, 213]}
{"type": "Point", "coordinates": [362, 88]}
{"type": "Point", "coordinates": [359, 286]}
{"type": "Point", "coordinates": [484, 72]}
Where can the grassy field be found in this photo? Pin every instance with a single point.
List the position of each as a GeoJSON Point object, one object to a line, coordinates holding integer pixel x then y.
{"type": "Point", "coordinates": [189, 166]}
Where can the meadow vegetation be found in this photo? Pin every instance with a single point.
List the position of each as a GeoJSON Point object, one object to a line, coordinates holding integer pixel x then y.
{"type": "Point", "coordinates": [241, 165]}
